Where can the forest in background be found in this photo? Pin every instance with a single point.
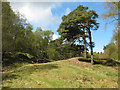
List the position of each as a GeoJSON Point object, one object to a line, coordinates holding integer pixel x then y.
{"type": "Point", "coordinates": [18, 35]}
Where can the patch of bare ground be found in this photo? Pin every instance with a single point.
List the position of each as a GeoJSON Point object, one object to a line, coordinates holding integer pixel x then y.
{"type": "Point", "coordinates": [84, 64]}
{"type": "Point", "coordinates": [75, 61]}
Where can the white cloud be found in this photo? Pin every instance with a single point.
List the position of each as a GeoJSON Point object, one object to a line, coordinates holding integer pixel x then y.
{"type": "Point", "coordinates": [54, 37]}
{"type": "Point", "coordinates": [37, 12]}
{"type": "Point", "coordinates": [67, 11]}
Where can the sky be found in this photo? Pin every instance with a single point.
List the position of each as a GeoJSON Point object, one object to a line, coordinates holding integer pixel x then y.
{"type": "Point", "coordinates": [47, 15]}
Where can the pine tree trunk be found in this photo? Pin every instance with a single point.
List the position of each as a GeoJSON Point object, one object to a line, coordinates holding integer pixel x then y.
{"type": "Point", "coordinates": [85, 51]}
{"type": "Point", "coordinates": [92, 61]}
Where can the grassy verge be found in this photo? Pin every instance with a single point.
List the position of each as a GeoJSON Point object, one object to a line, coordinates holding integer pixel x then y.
{"type": "Point", "coordinates": [61, 74]}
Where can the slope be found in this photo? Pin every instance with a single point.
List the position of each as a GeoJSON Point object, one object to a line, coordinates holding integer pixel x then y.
{"type": "Point", "coordinates": [61, 74]}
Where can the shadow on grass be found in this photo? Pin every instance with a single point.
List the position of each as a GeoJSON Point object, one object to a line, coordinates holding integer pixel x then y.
{"type": "Point", "coordinates": [10, 60]}
{"type": "Point", "coordinates": [37, 68]}
{"type": "Point", "coordinates": [27, 70]}
{"type": "Point", "coordinates": [15, 60]}
{"type": "Point", "coordinates": [9, 76]}
{"type": "Point", "coordinates": [108, 62]}
{"type": "Point", "coordinates": [5, 88]}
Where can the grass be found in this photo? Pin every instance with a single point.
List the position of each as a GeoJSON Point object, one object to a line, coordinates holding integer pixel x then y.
{"type": "Point", "coordinates": [61, 74]}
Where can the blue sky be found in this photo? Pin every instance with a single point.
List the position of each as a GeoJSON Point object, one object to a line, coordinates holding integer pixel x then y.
{"type": "Point", "coordinates": [48, 17]}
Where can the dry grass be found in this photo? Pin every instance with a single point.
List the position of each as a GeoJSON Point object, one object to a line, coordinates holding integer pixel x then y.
{"type": "Point", "coordinates": [61, 74]}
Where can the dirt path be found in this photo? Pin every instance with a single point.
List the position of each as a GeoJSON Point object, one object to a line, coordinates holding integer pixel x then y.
{"type": "Point", "coordinates": [84, 64]}
{"type": "Point", "coordinates": [79, 63]}
{"type": "Point", "coordinates": [75, 60]}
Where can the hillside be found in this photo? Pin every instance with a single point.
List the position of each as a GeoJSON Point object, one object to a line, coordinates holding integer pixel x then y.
{"type": "Point", "coordinates": [61, 74]}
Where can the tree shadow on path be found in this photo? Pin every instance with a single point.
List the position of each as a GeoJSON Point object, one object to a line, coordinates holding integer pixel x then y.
{"type": "Point", "coordinates": [107, 62]}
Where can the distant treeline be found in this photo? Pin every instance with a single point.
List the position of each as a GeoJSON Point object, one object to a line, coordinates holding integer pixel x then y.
{"type": "Point", "coordinates": [18, 36]}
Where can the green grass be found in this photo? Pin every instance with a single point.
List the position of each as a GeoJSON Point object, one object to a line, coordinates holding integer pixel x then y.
{"type": "Point", "coordinates": [60, 74]}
